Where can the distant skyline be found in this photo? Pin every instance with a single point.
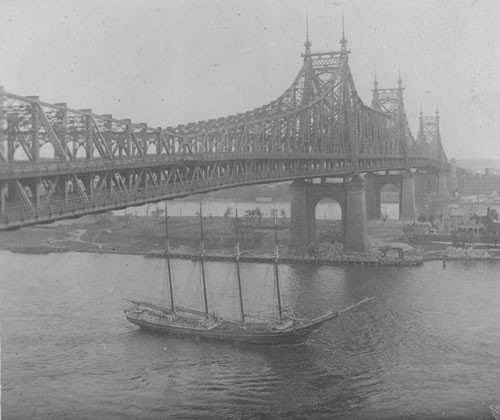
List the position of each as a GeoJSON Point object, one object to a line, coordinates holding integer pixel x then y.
{"type": "Point", "coordinates": [176, 61]}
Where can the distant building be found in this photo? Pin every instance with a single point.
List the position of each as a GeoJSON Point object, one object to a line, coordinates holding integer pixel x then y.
{"type": "Point", "coordinates": [474, 185]}
{"type": "Point", "coordinates": [464, 218]}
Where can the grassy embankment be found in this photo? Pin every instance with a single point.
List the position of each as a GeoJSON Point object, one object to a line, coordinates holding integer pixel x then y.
{"type": "Point", "coordinates": [146, 234]}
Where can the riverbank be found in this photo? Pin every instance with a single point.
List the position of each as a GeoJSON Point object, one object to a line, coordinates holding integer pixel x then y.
{"type": "Point", "coordinates": [138, 234]}
{"type": "Point", "coordinates": [143, 235]}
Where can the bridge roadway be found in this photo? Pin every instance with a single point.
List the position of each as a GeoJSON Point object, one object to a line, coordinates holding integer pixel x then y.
{"type": "Point", "coordinates": [257, 170]}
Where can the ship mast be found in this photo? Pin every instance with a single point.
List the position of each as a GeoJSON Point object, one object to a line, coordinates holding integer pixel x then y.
{"type": "Point", "coordinates": [276, 270]}
{"type": "Point", "coordinates": [169, 272]}
{"type": "Point", "coordinates": [242, 312]}
{"type": "Point", "coordinates": [202, 261]}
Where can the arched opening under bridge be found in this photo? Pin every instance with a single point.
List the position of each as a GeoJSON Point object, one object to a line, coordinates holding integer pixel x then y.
{"type": "Point", "coordinates": [328, 215]}
{"type": "Point", "coordinates": [390, 197]}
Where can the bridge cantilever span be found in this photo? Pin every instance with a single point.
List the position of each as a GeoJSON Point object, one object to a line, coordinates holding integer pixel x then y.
{"type": "Point", "coordinates": [57, 162]}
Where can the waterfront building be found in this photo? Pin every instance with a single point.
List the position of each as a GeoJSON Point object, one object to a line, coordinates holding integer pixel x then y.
{"type": "Point", "coordinates": [464, 218]}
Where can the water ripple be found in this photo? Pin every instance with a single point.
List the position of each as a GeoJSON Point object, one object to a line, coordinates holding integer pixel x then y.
{"type": "Point", "coordinates": [426, 345]}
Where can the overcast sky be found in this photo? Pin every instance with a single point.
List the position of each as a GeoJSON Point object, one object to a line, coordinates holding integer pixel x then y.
{"type": "Point", "coordinates": [175, 61]}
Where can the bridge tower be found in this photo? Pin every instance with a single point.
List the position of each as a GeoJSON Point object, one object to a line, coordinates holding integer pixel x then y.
{"type": "Point", "coordinates": [430, 145]}
{"type": "Point", "coordinates": [349, 194]}
{"type": "Point", "coordinates": [390, 101]}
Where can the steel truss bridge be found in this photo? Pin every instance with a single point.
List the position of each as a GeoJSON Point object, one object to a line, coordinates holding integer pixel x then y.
{"type": "Point", "coordinates": [57, 162]}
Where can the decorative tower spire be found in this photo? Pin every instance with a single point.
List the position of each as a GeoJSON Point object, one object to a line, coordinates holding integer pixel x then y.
{"type": "Point", "coordinates": [375, 90]}
{"type": "Point", "coordinates": [420, 124]}
{"type": "Point", "coordinates": [343, 41]}
{"type": "Point", "coordinates": [400, 81]}
{"type": "Point", "coordinates": [307, 44]}
{"type": "Point", "coordinates": [420, 135]}
{"type": "Point", "coordinates": [375, 81]}
{"type": "Point", "coordinates": [441, 153]}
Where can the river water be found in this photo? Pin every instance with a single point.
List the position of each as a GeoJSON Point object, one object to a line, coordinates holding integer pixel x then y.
{"type": "Point", "coordinates": [326, 209]}
{"type": "Point", "coordinates": [427, 346]}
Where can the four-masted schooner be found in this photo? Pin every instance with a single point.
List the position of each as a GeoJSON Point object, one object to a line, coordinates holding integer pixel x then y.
{"type": "Point", "coordinates": [200, 323]}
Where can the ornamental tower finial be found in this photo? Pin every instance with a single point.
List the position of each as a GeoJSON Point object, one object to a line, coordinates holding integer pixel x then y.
{"type": "Point", "coordinates": [375, 99]}
{"type": "Point", "coordinates": [307, 44]}
{"type": "Point", "coordinates": [343, 41]}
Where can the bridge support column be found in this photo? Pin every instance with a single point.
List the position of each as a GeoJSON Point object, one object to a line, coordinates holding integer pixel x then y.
{"type": "Point", "coordinates": [420, 193]}
{"type": "Point", "coordinates": [67, 189]}
{"type": "Point", "coordinates": [3, 128]}
{"type": "Point", "coordinates": [452, 178]}
{"type": "Point", "coordinates": [355, 221]}
{"type": "Point", "coordinates": [37, 193]}
{"type": "Point", "coordinates": [407, 202]}
{"type": "Point", "coordinates": [3, 198]}
{"type": "Point", "coordinates": [442, 192]}
{"type": "Point", "coordinates": [430, 184]}
{"type": "Point", "coordinates": [372, 198]}
{"type": "Point", "coordinates": [302, 217]}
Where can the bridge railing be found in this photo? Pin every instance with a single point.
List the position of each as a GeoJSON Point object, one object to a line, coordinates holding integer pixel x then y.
{"type": "Point", "coordinates": [46, 167]}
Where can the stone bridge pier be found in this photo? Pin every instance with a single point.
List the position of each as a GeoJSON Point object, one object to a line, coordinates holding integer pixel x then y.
{"type": "Point", "coordinates": [443, 193]}
{"type": "Point", "coordinates": [405, 182]}
{"type": "Point", "coordinates": [452, 178]}
{"type": "Point", "coordinates": [351, 198]}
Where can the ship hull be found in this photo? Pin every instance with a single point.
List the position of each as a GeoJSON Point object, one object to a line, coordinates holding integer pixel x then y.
{"type": "Point", "coordinates": [296, 335]}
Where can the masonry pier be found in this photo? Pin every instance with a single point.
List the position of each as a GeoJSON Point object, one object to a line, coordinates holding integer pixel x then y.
{"type": "Point", "coordinates": [359, 200]}
{"type": "Point", "coordinates": [351, 198]}
{"type": "Point", "coordinates": [407, 197]}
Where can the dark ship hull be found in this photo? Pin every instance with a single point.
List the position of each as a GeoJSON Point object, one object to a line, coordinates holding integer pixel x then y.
{"type": "Point", "coordinates": [291, 332]}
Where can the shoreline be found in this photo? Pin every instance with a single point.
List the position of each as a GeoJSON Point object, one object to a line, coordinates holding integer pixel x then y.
{"type": "Point", "coordinates": [349, 260]}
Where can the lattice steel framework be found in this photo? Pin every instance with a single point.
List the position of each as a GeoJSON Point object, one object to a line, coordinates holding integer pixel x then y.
{"type": "Point", "coordinates": [429, 138]}
{"type": "Point", "coordinates": [57, 162]}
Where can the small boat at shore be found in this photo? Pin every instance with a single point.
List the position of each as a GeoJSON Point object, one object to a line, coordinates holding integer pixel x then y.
{"type": "Point", "coordinates": [174, 319]}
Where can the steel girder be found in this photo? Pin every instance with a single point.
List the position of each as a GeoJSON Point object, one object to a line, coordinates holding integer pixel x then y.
{"type": "Point", "coordinates": [65, 193]}
{"type": "Point", "coordinates": [58, 162]}
{"type": "Point", "coordinates": [391, 102]}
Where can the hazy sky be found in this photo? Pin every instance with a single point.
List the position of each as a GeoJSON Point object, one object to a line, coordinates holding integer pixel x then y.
{"type": "Point", "coordinates": [174, 61]}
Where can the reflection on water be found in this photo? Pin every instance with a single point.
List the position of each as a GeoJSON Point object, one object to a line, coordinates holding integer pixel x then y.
{"type": "Point", "coordinates": [426, 345]}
